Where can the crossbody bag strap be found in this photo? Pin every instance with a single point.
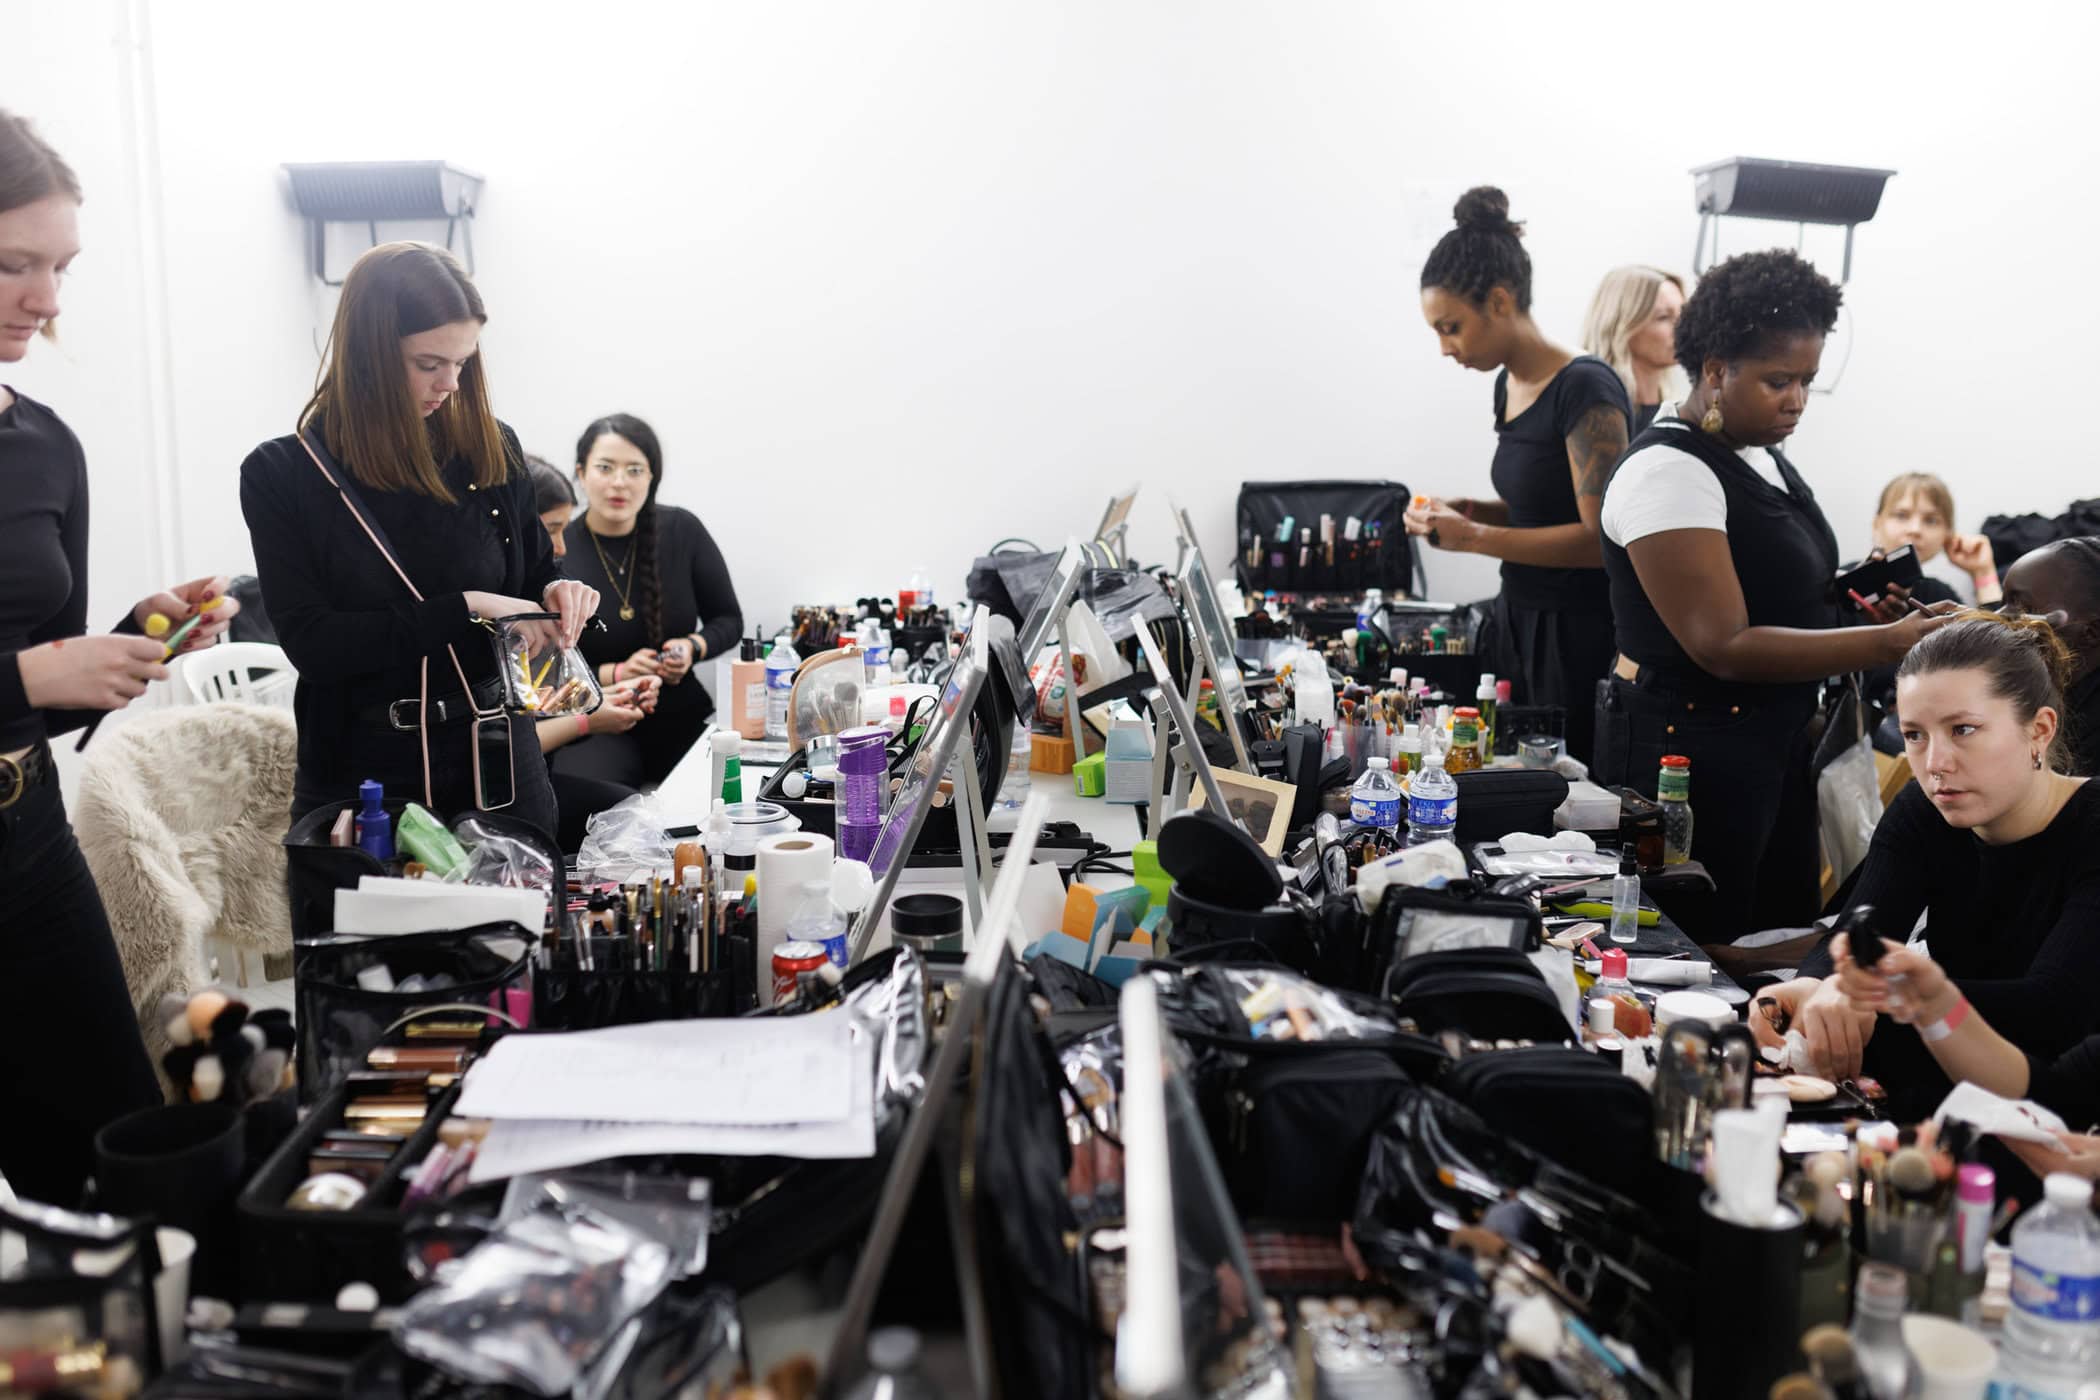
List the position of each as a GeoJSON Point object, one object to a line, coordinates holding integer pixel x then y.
{"type": "Point", "coordinates": [340, 480]}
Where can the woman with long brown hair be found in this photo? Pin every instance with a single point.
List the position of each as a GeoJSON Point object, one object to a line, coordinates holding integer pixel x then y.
{"type": "Point", "coordinates": [70, 1054]}
{"type": "Point", "coordinates": [397, 518]}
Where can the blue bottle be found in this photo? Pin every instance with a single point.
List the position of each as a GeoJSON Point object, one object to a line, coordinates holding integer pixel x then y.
{"type": "Point", "coordinates": [375, 829]}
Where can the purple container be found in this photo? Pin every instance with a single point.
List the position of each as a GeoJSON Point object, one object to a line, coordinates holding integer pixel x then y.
{"type": "Point", "coordinates": [863, 764]}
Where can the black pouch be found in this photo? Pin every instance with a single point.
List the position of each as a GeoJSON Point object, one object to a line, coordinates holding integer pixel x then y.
{"type": "Point", "coordinates": [1493, 802]}
{"type": "Point", "coordinates": [1291, 1120]}
{"type": "Point", "coordinates": [340, 1019]}
{"type": "Point", "coordinates": [1482, 993]}
{"type": "Point", "coordinates": [1410, 922]}
{"type": "Point", "coordinates": [1567, 1105]}
{"type": "Point", "coordinates": [78, 1282]}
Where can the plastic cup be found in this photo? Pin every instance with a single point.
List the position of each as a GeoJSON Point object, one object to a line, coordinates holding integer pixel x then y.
{"type": "Point", "coordinates": [1954, 1362]}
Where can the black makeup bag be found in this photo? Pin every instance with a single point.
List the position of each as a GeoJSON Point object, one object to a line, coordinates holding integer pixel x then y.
{"type": "Point", "coordinates": [1481, 993]}
{"type": "Point", "coordinates": [315, 870]}
{"type": "Point", "coordinates": [79, 1281]}
{"type": "Point", "coordinates": [1291, 1120]}
{"type": "Point", "coordinates": [1412, 921]}
{"type": "Point", "coordinates": [1567, 1105]}
{"type": "Point", "coordinates": [340, 1019]}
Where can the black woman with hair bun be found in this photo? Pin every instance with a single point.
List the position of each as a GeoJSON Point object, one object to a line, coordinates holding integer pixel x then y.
{"type": "Point", "coordinates": [1721, 566]}
{"type": "Point", "coordinates": [1561, 421]}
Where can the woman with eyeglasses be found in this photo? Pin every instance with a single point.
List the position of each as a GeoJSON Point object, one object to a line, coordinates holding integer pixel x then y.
{"type": "Point", "coordinates": [1994, 846]}
{"type": "Point", "coordinates": [664, 596]}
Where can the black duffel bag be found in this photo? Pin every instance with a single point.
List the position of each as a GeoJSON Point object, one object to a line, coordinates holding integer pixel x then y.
{"type": "Point", "coordinates": [1481, 993]}
{"type": "Point", "coordinates": [1567, 1105]}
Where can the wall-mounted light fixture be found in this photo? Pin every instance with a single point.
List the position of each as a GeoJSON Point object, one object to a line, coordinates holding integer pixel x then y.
{"type": "Point", "coordinates": [371, 191]}
{"type": "Point", "coordinates": [1744, 187]}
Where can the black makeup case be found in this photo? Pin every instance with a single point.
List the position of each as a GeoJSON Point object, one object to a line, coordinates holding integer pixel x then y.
{"type": "Point", "coordinates": [1482, 993]}
{"type": "Point", "coordinates": [339, 1019]}
{"type": "Point", "coordinates": [1291, 1119]}
{"type": "Point", "coordinates": [1568, 1105]}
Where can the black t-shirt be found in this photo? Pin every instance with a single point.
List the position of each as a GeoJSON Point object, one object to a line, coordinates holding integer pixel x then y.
{"type": "Point", "coordinates": [1644, 414]}
{"type": "Point", "coordinates": [697, 594]}
{"type": "Point", "coordinates": [2069, 1086]}
{"type": "Point", "coordinates": [43, 559]}
{"type": "Point", "coordinates": [1531, 474]}
{"type": "Point", "coordinates": [2017, 927]}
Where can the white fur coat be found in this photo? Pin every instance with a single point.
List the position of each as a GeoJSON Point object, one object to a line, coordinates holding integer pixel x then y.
{"type": "Point", "coordinates": [181, 813]}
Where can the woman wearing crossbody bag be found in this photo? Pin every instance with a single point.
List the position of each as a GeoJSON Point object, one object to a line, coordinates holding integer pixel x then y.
{"type": "Point", "coordinates": [398, 518]}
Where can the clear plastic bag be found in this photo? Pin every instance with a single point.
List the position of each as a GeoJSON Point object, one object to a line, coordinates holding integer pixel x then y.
{"type": "Point", "coordinates": [497, 859]}
{"type": "Point", "coordinates": [1848, 799]}
{"type": "Point", "coordinates": [541, 677]}
{"type": "Point", "coordinates": [537, 1303]}
{"type": "Point", "coordinates": [827, 695]}
{"type": "Point", "coordinates": [673, 1210]}
{"type": "Point", "coordinates": [625, 841]}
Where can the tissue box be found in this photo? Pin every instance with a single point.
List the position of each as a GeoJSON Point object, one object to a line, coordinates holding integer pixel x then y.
{"type": "Point", "coordinates": [1588, 808]}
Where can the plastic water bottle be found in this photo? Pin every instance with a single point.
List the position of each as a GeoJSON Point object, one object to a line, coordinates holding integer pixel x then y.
{"type": "Point", "coordinates": [875, 651]}
{"type": "Point", "coordinates": [1014, 789]}
{"type": "Point", "coordinates": [781, 662]}
{"type": "Point", "coordinates": [1375, 800]}
{"type": "Point", "coordinates": [2052, 1333]}
{"type": "Point", "coordinates": [817, 920]}
{"type": "Point", "coordinates": [1432, 801]}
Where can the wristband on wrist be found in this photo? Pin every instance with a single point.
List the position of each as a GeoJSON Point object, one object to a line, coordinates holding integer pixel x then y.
{"type": "Point", "coordinates": [617, 665]}
{"type": "Point", "coordinates": [1989, 580]}
{"type": "Point", "coordinates": [1945, 1026]}
{"type": "Point", "coordinates": [583, 724]}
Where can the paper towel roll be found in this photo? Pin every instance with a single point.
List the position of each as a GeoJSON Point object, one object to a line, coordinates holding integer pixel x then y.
{"type": "Point", "coordinates": [786, 862]}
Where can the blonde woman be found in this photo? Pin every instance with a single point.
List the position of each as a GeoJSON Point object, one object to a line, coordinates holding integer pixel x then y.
{"type": "Point", "coordinates": [1632, 326]}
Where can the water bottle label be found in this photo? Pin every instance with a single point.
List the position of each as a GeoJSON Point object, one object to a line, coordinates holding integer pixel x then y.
{"type": "Point", "coordinates": [1375, 811]}
{"type": "Point", "coordinates": [2055, 1297]}
{"type": "Point", "coordinates": [1432, 811]}
{"type": "Point", "coordinates": [782, 679]}
{"type": "Point", "coordinates": [876, 658]}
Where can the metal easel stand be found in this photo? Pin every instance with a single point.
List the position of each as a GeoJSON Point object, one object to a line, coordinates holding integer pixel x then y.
{"type": "Point", "coordinates": [970, 829]}
{"type": "Point", "coordinates": [1171, 790]}
{"type": "Point", "coordinates": [1075, 714]}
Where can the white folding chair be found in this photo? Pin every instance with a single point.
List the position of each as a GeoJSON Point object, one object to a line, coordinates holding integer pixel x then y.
{"type": "Point", "coordinates": [255, 673]}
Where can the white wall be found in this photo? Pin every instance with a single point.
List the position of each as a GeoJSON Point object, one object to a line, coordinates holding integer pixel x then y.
{"type": "Point", "coordinates": [896, 280]}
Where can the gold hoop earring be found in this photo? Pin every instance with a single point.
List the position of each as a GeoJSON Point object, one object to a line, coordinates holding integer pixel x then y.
{"type": "Point", "coordinates": [1710, 421]}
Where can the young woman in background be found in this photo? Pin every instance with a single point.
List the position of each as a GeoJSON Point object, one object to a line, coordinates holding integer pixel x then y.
{"type": "Point", "coordinates": [1561, 421]}
{"type": "Point", "coordinates": [401, 417]}
{"type": "Point", "coordinates": [665, 597]}
{"type": "Point", "coordinates": [71, 1059]}
{"type": "Point", "coordinates": [1632, 326]}
{"type": "Point", "coordinates": [1917, 510]}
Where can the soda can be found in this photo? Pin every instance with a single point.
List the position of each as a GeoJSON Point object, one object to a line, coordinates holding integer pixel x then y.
{"type": "Point", "coordinates": [790, 961]}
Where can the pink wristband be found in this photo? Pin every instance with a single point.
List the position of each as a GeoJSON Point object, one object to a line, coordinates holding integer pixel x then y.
{"type": "Point", "coordinates": [1986, 581]}
{"type": "Point", "coordinates": [583, 723]}
{"type": "Point", "coordinates": [616, 671]}
{"type": "Point", "coordinates": [1945, 1026]}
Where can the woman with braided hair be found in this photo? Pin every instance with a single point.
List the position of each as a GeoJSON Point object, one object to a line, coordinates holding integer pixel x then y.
{"type": "Point", "coordinates": [664, 594]}
{"type": "Point", "coordinates": [1721, 566]}
{"type": "Point", "coordinates": [1561, 421]}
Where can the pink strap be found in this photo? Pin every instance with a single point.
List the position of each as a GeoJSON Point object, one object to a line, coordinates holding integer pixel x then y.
{"type": "Point", "coordinates": [423, 671]}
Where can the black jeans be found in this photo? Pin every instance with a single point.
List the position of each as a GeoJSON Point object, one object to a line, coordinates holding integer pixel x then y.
{"type": "Point", "coordinates": [1754, 818]}
{"type": "Point", "coordinates": [395, 758]}
{"type": "Point", "coordinates": [71, 1059]}
{"type": "Point", "coordinates": [641, 757]}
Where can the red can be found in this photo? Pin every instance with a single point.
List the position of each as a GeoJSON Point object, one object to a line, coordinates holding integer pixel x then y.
{"type": "Point", "coordinates": [790, 961]}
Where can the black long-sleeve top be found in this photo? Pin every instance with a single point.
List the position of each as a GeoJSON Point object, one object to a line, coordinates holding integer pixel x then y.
{"type": "Point", "coordinates": [43, 560]}
{"type": "Point", "coordinates": [353, 631]}
{"type": "Point", "coordinates": [697, 594]}
{"type": "Point", "coordinates": [2017, 927]}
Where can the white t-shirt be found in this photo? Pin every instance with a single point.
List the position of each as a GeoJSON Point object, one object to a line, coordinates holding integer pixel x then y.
{"type": "Point", "coordinates": [1667, 488]}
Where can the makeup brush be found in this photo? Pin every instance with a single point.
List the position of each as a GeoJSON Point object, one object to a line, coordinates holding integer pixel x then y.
{"type": "Point", "coordinates": [1911, 1175]}
{"type": "Point", "coordinates": [1828, 1349]}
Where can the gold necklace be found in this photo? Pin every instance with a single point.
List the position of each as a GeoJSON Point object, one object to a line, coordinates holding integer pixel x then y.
{"type": "Point", "coordinates": [626, 608]}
